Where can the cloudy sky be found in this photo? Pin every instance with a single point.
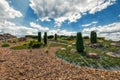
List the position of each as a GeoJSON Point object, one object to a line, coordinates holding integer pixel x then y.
{"type": "Point", "coordinates": [21, 17]}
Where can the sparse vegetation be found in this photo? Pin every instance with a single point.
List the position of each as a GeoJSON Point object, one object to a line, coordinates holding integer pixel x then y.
{"type": "Point", "coordinates": [19, 47]}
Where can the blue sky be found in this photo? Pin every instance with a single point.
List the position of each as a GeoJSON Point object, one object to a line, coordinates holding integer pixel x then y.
{"type": "Point", "coordinates": [63, 17]}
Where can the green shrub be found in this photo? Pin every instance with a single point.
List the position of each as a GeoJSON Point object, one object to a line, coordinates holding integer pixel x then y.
{"type": "Point", "coordinates": [50, 37]}
{"type": "Point", "coordinates": [39, 36]}
{"type": "Point", "coordinates": [79, 42]}
{"type": "Point", "coordinates": [34, 44]}
{"type": "Point", "coordinates": [93, 37]}
{"type": "Point", "coordinates": [5, 45]}
{"type": "Point", "coordinates": [19, 47]}
{"type": "Point", "coordinates": [45, 38]}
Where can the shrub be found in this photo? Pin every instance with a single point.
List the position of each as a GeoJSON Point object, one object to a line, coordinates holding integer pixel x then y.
{"type": "Point", "coordinates": [34, 44]}
{"type": "Point", "coordinates": [93, 37]}
{"type": "Point", "coordinates": [45, 38]}
{"type": "Point", "coordinates": [39, 36]}
{"type": "Point", "coordinates": [79, 42]}
{"type": "Point", "coordinates": [86, 37]}
{"type": "Point", "coordinates": [5, 45]}
{"type": "Point", "coordinates": [19, 47]}
{"type": "Point", "coordinates": [50, 37]}
{"type": "Point", "coordinates": [55, 36]}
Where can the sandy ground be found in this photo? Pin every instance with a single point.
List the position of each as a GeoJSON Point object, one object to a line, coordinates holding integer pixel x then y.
{"type": "Point", "coordinates": [39, 65]}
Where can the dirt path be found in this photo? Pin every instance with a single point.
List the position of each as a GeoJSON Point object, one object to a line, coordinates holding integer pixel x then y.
{"type": "Point", "coordinates": [37, 65]}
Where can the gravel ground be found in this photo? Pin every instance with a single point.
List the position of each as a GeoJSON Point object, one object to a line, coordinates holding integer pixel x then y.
{"type": "Point", "coordinates": [39, 65]}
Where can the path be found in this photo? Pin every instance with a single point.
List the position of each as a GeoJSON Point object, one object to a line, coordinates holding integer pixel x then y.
{"type": "Point", "coordinates": [37, 65]}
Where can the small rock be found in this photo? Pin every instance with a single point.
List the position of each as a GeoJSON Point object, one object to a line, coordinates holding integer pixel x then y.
{"type": "Point", "coordinates": [113, 44]}
{"type": "Point", "coordinates": [73, 51]}
{"type": "Point", "coordinates": [111, 54]}
{"type": "Point", "coordinates": [69, 46]}
{"type": "Point", "coordinates": [2, 60]}
{"type": "Point", "coordinates": [92, 55]}
{"type": "Point", "coordinates": [63, 49]}
{"type": "Point", "coordinates": [73, 43]}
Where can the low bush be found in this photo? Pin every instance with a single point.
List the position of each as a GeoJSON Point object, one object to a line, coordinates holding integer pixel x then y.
{"type": "Point", "coordinates": [34, 44]}
{"type": "Point", "coordinates": [5, 45]}
{"type": "Point", "coordinates": [19, 47]}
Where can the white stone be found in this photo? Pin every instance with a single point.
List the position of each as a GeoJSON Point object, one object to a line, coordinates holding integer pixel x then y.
{"type": "Point", "coordinates": [73, 51]}
{"type": "Point", "coordinates": [63, 49]}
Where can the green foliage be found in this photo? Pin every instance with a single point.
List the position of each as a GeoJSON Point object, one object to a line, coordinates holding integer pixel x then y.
{"type": "Point", "coordinates": [104, 62]}
{"type": "Point", "coordinates": [93, 37]}
{"type": "Point", "coordinates": [50, 37]}
{"type": "Point", "coordinates": [55, 36]}
{"type": "Point", "coordinates": [45, 38]}
{"type": "Point", "coordinates": [31, 36]}
{"type": "Point", "coordinates": [5, 45]}
{"type": "Point", "coordinates": [86, 37]}
{"type": "Point", "coordinates": [19, 47]}
{"type": "Point", "coordinates": [39, 36]}
{"type": "Point", "coordinates": [79, 42]}
{"type": "Point", "coordinates": [34, 44]}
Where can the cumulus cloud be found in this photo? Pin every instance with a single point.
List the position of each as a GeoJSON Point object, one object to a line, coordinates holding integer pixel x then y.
{"type": "Point", "coordinates": [38, 27]}
{"type": "Point", "coordinates": [90, 24]}
{"type": "Point", "coordinates": [6, 11]}
{"type": "Point", "coordinates": [111, 31]}
{"type": "Point", "coordinates": [71, 10]}
{"type": "Point", "coordinates": [12, 28]}
{"type": "Point", "coordinates": [61, 32]}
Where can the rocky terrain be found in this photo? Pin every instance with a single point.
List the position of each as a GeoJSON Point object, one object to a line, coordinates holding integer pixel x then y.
{"type": "Point", "coordinates": [42, 64]}
{"type": "Point", "coordinates": [6, 36]}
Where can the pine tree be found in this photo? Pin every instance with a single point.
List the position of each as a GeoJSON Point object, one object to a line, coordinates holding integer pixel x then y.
{"type": "Point", "coordinates": [55, 36]}
{"type": "Point", "coordinates": [39, 36]}
{"type": "Point", "coordinates": [45, 38]}
{"type": "Point", "coordinates": [93, 37]}
{"type": "Point", "coordinates": [79, 42]}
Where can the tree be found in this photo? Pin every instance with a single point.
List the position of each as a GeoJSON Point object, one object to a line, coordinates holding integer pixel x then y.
{"type": "Point", "coordinates": [79, 42]}
{"type": "Point", "coordinates": [39, 36]}
{"type": "Point", "coordinates": [93, 37]}
{"type": "Point", "coordinates": [55, 36]}
{"type": "Point", "coordinates": [45, 38]}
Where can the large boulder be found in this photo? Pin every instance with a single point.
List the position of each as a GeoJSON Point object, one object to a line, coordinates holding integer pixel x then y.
{"type": "Point", "coordinates": [113, 44]}
{"type": "Point", "coordinates": [93, 55]}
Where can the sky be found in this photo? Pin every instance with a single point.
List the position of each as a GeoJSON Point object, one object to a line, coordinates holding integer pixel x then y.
{"type": "Point", "coordinates": [64, 17]}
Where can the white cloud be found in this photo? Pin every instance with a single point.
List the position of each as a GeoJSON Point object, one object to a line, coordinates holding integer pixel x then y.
{"type": "Point", "coordinates": [12, 28]}
{"type": "Point", "coordinates": [6, 11]}
{"type": "Point", "coordinates": [111, 31]}
{"type": "Point", "coordinates": [119, 15]}
{"type": "Point", "coordinates": [38, 27]}
{"type": "Point", "coordinates": [71, 10]}
{"type": "Point", "coordinates": [61, 32]}
{"type": "Point", "coordinates": [90, 24]}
